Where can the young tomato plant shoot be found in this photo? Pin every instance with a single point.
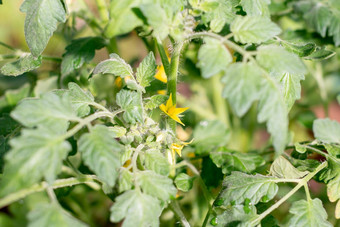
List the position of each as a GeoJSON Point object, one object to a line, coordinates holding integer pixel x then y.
{"type": "Point", "coordinates": [169, 113]}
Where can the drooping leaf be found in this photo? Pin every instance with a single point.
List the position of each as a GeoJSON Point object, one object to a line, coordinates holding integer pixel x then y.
{"type": "Point", "coordinates": [334, 27]}
{"type": "Point", "coordinates": [52, 215]}
{"type": "Point", "coordinates": [278, 61]}
{"type": "Point", "coordinates": [320, 54]}
{"type": "Point", "coordinates": [184, 182]}
{"type": "Point", "coordinates": [122, 18]}
{"type": "Point", "coordinates": [291, 88]}
{"type": "Point", "coordinates": [234, 216]}
{"type": "Point", "coordinates": [42, 17]}
{"type": "Point", "coordinates": [210, 134]}
{"type": "Point", "coordinates": [130, 102]}
{"type": "Point", "coordinates": [253, 29]}
{"type": "Point", "coordinates": [213, 58]}
{"type": "Point", "coordinates": [100, 152]}
{"type": "Point", "coordinates": [155, 101]}
{"type": "Point", "coordinates": [136, 207]}
{"type": "Point", "coordinates": [273, 110]}
{"type": "Point", "coordinates": [236, 161]}
{"type": "Point", "coordinates": [242, 86]}
{"type": "Point", "coordinates": [146, 70]}
{"type": "Point", "coordinates": [50, 110]}
{"type": "Point", "coordinates": [308, 213]}
{"type": "Point", "coordinates": [282, 168]}
{"type": "Point", "coordinates": [115, 65]}
{"type": "Point", "coordinates": [35, 154]}
{"type": "Point", "coordinates": [156, 162]}
{"type": "Point", "coordinates": [256, 7]}
{"type": "Point", "coordinates": [326, 130]}
{"type": "Point", "coordinates": [157, 18]}
{"type": "Point", "coordinates": [240, 186]}
{"type": "Point", "coordinates": [302, 50]}
{"type": "Point", "coordinates": [25, 63]}
{"type": "Point", "coordinates": [156, 185]}
{"type": "Point", "coordinates": [80, 51]}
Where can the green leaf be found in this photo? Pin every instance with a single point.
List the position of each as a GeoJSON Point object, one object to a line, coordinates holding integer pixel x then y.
{"type": "Point", "coordinates": [156, 185]}
{"type": "Point", "coordinates": [48, 111]}
{"type": "Point", "coordinates": [319, 18]}
{"type": "Point", "coordinates": [291, 88]}
{"type": "Point", "coordinates": [122, 18]}
{"type": "Point", "coordinates": [35, 154]}
{"type": "Point", "coordinates": [184, 182]}
{"type": "Point", "coordinates": [125, 180]}
{"type": "Point", "coordinates": [210, 134]}
{"type": "Point", "coordinates": [79, 99]}
{"type": "Point", "coordinates": [308, 213]}
{"type": "Point", "coordinates": [219, 13]}
{"type": "Point", "coordinates": [338, 98]}
{"type": "Point", "coordinates": [282, 168]}
{"type": "Point", "coordinates": [256, 7]}
{"type": "Point", "coordinates": [100, 151]}
{"type": "Point", "coordinates": [157, 18]}
{"type": "Point", "coordinates": [80, 51]}
{"type": "Point", "coordinates": [156, 162]}
{"type": "Point", "coordinates": [213, 58]}
{"type": "Point", "coordinates": [326, 130]}
{"type": "Point", "coordinates": [278, 61]}
{"type": "Point", "coordinates": [42, 17]}
{"type": "Point", "coordinates": [300, 148]}
{"type": "Point", "coordinates": [302, 50]}
{"type": "Point", "coordinates": [233, 216]}
{"type": "Point", "coordinates": [242, 86]}
{"type": "Point", "coordinates": [273, 110]}
{"type": "Point", "coordinates": [25, 63]}
{"type": "Point", "coordinates": [115, 65]}
{"type": "Point", "coordinates": [130, 102]}
{"type": "Point", "coordinates": [13, 97]}
{"type": "Point", "coordinates": [240, 186]}
{"type": "Point", "coordinates": [136, 208]}
{"type": "Point", "coordinates": [146, 70]}
{"type": "Point", "coordinates": [253, 29]}
{"type": "Point", "coordinates": [232, 160]}
{"type": "Point", "coordinates": [52, 215]}
{"type": "Point", "coordinates": [155, 101]}
{"type": "Point", "coordinates": [320, 54]}
{"type": "Point", "coordinates": [334, 27]}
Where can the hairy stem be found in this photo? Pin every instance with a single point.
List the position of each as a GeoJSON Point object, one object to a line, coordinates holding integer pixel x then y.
{"type": "Point", "coordinates": [102, 9]}
{"type": "Point", "coordinates": [179, 213]}
{"type": "Point", "coordinates": [172, 80]}
{"type": "Point", "coordinates": [134, 163]}
{"type": "Point", "coordinates": [11, 198]}
{"type": "Point", "coordinates": [302, 183]}
{"type": "Point", "coordinates": [219, 102]}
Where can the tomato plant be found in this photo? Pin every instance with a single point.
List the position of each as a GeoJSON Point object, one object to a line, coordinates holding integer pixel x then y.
{"type": "Point", "coordinates": [171, 112]}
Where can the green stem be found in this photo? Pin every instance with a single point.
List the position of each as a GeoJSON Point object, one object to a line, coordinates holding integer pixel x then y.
{"type": "Point", "coordinates": [112, 47]}
{"type": "Point", "coordinates": [219, 102]}
{"type": "Point", "coordinates": [11, 198]}
{"type": "Point", "coordinates": [302, 182]}
{"type": "Point", "coordinates": [134, 164]}
{"type": "Point", "coordinates": [164, 57]}
{"type": "Point", "coordinates": [7, 46]}
{"type": "Point", "coordinates": [172, 80]}
{"type": "Point", "coordinates": [16, 56]}
{"type": "Point", "coordinates": [102, 9]}
{"type": "Point", "coordinates": [318, 75]}
{"type": "Point", "coordinates": [322, 153]}
{"type": "Point", "coordinates": [179, 213]}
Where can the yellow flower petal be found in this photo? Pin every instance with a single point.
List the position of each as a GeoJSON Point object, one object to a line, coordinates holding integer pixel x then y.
{"type": "Point", "coordinates": [161, 92]}
{"type": "Point", "coordinates": [172, 111]}
{"type": "Point", "coordinates": [180, 110]}
{"type": "Point", "coordinates": [160, 75]}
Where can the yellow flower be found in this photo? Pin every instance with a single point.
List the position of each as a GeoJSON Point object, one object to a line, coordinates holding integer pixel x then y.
{"type": "Point", "coordinates": [176, 148]}
{"type": "Point", "coordinates": [160, 75]}
{"type": "Point", "coordinates": [171, 110]}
